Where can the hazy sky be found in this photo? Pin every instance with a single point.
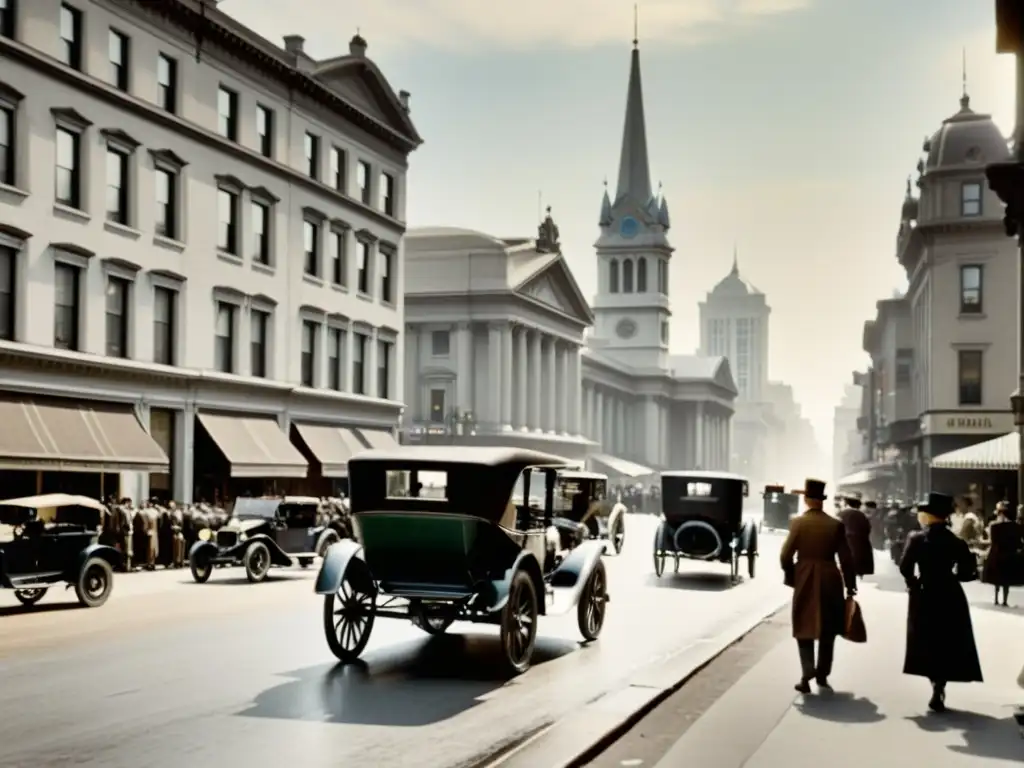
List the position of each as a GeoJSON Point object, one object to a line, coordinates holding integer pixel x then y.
{"type": "Point", "coordinates": [787, 127]}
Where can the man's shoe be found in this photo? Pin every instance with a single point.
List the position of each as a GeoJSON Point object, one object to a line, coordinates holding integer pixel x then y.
{"type": "Point", "coordinates": [822, 683]}
{"type": "Point", "coordinates": [803, 687]}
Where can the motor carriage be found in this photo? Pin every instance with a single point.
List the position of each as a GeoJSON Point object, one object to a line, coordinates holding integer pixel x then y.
{"type": "Point", "coordinates": [261, 533]}
{"type": "Point", "coordinates": [54, 540]}
{"type": "Point", "coordinates": [702, 519]}
{"type": "Point", "coordinates": [584, 511]}
{"type": "Point", "coordinates": [779, 507]}
{"type": "Point", "coordinates": [447, 534]}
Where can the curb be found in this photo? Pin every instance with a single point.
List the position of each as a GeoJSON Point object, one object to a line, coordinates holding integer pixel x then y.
{"type": "Point", "coordinates": [575, 740]}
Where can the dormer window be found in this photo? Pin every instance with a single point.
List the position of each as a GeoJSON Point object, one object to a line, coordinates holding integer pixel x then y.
{"type": "Point", "coordinates": [970, 199]}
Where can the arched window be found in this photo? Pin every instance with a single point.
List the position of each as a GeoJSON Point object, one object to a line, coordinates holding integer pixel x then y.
{"type": "Point", "coordinates": [613, 276]}
{"type": "Point", "coordinates": [627, 275]}
{"type": "Point", "coordinates": [641, 275]}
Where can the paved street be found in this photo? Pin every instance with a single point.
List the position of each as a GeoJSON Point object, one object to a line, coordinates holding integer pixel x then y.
{"type": "Point", "coordinates": [171, 673]}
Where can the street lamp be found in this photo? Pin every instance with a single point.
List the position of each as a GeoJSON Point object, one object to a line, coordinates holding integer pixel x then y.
{"type": "Point", "coordinates": [1007, 181]}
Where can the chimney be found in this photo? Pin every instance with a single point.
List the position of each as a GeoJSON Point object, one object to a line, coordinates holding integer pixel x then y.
{"type": "Point", "coordinates": [294, 43]}
{"type": "Point", "coordinates": [403, 97]}
{"type": "Point", "coordinates": [357, 46]}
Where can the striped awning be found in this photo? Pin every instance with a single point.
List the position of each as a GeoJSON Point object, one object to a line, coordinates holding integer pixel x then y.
{"type": "Point", "coordinates": [998, 453]}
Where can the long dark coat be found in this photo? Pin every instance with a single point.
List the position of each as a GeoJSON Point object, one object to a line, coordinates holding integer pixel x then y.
{"type": "Point", "coordinates": [940, 637]}
{"type": "Point", "coordinates": [858, 536]}
{"type": "Point", "coordinates": [815, 541]}
{"type": "Point", "coordinates": [1003, 562]}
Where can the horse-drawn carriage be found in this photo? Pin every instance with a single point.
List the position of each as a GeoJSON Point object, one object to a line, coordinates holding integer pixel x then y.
{"type": "Point", "coordinates": [53, 540]}
{"type": "Point", "coordinates": [584, 511]}
{"type": "Point", "coordinates": [702, 519]}
{"type": "Point", "coordinates": [477, 546]}
{"type": "Point", "coordinates": [779, 507]}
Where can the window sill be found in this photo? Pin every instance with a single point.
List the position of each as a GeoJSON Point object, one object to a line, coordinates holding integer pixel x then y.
{"type": "Point", "coordinates": [388, 304]}
{"type": "Point", "coordinates": [339, 287]}
{"type": "Point", "coordinates": [230, 258]}
{"type": "Point", "coordinates": [9, 189]}
{"type": "Point", "coordinates": [972, 316]}
{"type": "Point", "coordinates": [267, 269]}
{"type": "Point", "coordinates": [312, 280]}
{"type": "Point", "coordinates": [365, 297]}
{"type": "Point", "coordinates": [122, 229]}
{"type": "Point", "coordinates": [72, 213]}
{"type": "Point", "coordinates": [169, 242]}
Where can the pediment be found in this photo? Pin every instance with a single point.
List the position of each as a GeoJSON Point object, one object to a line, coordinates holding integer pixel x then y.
{"type": "Point", "coordinates": [363, 85]}
{"type": "Point", "coordinates": [723, 376]}
{"type": "Point", "coordinates": [555, 287]}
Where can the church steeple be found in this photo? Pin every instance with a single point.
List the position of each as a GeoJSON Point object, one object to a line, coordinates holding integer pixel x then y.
{"type": "Point", "coordinates": [634, 167]}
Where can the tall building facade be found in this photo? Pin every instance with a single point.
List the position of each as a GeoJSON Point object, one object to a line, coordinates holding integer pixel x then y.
{"type": "Point", "coordinates": [200, 252]}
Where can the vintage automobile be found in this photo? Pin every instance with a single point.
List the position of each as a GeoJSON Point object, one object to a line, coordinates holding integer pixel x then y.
{"type": "Point", "coordinates": [583, 511]}
{"type": "Point", "coordinates": [473, 548]}
{"type": "Point", "coordinates": [54, 540]}
{"type": "Point", "coordinates": [281, 531]}
{"type": "Point", "coordinates": [702, 519]}
{"type": "Point", "coordinates": [779, 507]}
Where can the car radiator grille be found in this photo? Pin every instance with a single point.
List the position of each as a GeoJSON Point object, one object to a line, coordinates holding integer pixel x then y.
{"type": "Point", "coordinates": [226, 538]}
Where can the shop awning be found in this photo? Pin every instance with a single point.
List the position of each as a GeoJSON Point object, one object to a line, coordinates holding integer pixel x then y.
{"type": "Point", "coordinates": [254, 446]}
{"type": "Point", "coordinates": [865, 475]}
{"type": "Point", "coordinates": [79, 437]}
{"type": "Point", "coordinates": [998, 453]}
{"type": "Point", "coordinates": [378, 439]}
{"type": "Point", "coordinates": [619, 467]}
{"type": "Point", "coordinates": [332, 447]}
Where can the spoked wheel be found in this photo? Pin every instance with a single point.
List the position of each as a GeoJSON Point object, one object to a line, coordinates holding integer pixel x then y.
{"type": "Point", "coordinates": [519, 623]}
{"type": "Point", "coordinates": [95, 581]}
{"type": "Point", "coordinates": [618, 536]}
{"type": "Point", "coordinates": [590, 611]}
{"type": "Point", "coordinates": [30, 596]}
{"type": "Point", "coordinates": [349, 613]}
{"type": "Point", "coordinates": [257, 562]}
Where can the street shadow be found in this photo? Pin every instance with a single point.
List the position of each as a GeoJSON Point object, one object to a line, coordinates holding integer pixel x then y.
{"type": "Point", "coordinates": [997, 738]}
{"type": "Point", "coordinates": [412, 684]}
{"type": "Point", "coordinates": [19, 609]}
{"type": "Point", "coordinates": [697, 582]}
{"type": "Point", "coordinates": [840, 707]}
{"type": "Point", "coordinates": [234, 581]}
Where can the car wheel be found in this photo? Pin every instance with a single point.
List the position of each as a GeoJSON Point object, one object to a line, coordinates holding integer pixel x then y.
{"type": "Point", "coordinates": [519, 623]}
{"type": "Point", "coordinates": [30, 596]}
{"type": "Point", "coordinates": [734, 563]}
{"type": "Point", "coordinates": [200, 566]}
{"type": "Point", "coordinates": [590, 611]}
{"type": "Point", "coordinates": [349, 613]}
{"type": "Point", "coordinates": [257, 562]}
{"type": "Point", "coordinates": [327, 538]}
{"type": "Point", "coordinates": [659, 553]}
{"type": "Point", "coordinates": [751, 563]}
{"type": "Point", "coordinates": [95, 582]}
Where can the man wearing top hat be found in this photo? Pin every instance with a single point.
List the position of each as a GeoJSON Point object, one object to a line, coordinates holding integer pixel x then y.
{"type": "Point", "coordinates": [858, 535]}
{"type": "Point", "coordinates": [815, 541]}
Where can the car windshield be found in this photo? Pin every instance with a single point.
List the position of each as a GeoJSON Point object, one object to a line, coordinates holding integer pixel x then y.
{"type": "Point", "coordinates": [538, 489]}
{"type": "Point", "coordinates": [429, 485]}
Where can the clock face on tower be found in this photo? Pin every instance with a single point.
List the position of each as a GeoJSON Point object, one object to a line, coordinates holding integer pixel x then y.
{"type": "Point", "coordinates": [629, 227]}
{"type": "Point", "coordinates": [626, 328]}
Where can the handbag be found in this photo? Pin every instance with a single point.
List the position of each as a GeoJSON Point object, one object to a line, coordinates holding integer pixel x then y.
{"type": "Point", "coordinates": [854, 629]}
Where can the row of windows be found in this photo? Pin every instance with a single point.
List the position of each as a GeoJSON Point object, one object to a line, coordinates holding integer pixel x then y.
{"type": "Point", "coordinates": [119, 75]}
{"type": "Point", "coordinates": [627, 285]}
{"type": "Point", "coordinates": [68, 312]}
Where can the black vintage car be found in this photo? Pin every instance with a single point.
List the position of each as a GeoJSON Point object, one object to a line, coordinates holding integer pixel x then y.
{"type": "Point", "coordinates": [456, 534]}
{"type": "Point", "coordinates": [779, 507]}
{"type": "Point", "coordinates": [702, 519]}
{"type": "Point", "coordinates": [53, 540]}
{"type": "Point", "coordinates": [262, 532]}
{"type": "Point", "coordinates": [584, 511]}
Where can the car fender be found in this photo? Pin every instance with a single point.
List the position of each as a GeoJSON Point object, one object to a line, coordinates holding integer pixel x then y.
{"type": "Point", "coordinates": [336, 562]}
{"type": "Point", "coordinates": [113, 558]}
{"type": "Point", "coordinates": [495, 594]}
{"type": "Point", "coordinates": [277, 555]}
{"type": "Point", "coordinates": [202, 546]}
{"type": "Point", "coordinates": [571, 575]}
{"type": "Point", "coordinates": [618, 512]}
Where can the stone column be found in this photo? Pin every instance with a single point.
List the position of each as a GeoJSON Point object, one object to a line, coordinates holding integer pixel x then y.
{"type": "Point", "coordinates": [620, 438]}
{"type": "Point", "coordinates": [412, 396]}
{"type": "Point", "coordinates": [494, 374]}
{"type": "Point", "coordinates": [698, 454]}
{"type": "Point", "coordinates": [652, 432]}
{"type": "Point", "coordinates": [183, 460]}
{"type": "Point", "coordinates": [575, 389]}
{"type": "Point", "coordinates": [371, 364]}
{"type": "Point", "coordinates": [550, 396]}
{"type": "Point", "coordinates": [464, 367]}
{"type": "Point", "coordinates": [599, 419]}
{"type": "Point", "coordinates": [507, 371]}
{"type": "Point", "coordinates": [535, 381]}
{"type": "Point", "coordinates": [522, 388]}
{"type": "Point", "coordinates": [564, 411]}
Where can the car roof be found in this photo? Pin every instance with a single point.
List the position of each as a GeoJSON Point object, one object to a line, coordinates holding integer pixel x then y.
{"type": "Point", "coordinates": [579, 474]}
{"type": "Point", "coordinates": [52, 500]}
{"type": "Point", "coordinates": [481, 456]}
{"type": "Point", "coordinates": [700, 474]}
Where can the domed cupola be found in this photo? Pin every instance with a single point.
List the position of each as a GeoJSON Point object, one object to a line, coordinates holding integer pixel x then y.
{"type": "Point", "coordinates": [910, 205]}
{"type": "Point", "coordinates": [966, 139]}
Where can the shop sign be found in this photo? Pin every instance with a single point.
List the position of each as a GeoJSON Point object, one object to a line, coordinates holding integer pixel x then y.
{"type": "Point", "coordinates": [994, 423]}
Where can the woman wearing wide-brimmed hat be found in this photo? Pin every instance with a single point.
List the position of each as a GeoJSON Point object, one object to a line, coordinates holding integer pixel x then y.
{"type": "Point", "coordinates": [940, 636]}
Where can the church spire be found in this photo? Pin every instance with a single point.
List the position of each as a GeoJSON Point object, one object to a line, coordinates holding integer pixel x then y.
{"type": "Point", "coordinates": [634, 168]}
{"type": "Point", "coordinates": [735, 261]}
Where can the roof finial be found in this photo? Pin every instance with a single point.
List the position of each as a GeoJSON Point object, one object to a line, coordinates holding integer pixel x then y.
{"type": "Point", "coordinates": [735, 260]}
{"type": "Point", "coordinates": [965, 100]}
{"type": "Point", "coordinates": [636, 25]}
{"type": "Point", "coordinates": [909, 194]}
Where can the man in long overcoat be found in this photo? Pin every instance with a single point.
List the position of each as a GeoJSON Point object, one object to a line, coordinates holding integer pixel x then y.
{"type": "Point", "coordinates": [858, 535]}
{"type": "Point", "coordinates": [816, 540]}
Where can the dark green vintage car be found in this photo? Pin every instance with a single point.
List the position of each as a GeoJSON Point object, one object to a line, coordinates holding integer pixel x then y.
{"type": "Point", "coordinates": [779, 507]}
{"type": "Point", "coordinates": [447, 534]}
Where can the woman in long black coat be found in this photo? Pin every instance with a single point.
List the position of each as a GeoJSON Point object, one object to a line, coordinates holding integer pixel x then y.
{"type": "Point", "coordinates": [1002, 564]}
{"type": "Point", "coordinates": [940, 636]}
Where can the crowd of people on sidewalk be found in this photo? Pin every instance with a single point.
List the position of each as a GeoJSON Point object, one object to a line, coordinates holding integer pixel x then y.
{"type": "Point", "coordinates": [824, 555]}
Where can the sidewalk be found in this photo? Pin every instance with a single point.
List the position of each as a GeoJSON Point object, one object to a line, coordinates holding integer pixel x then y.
{"type": "Point", "coordinates": [877, 716]}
